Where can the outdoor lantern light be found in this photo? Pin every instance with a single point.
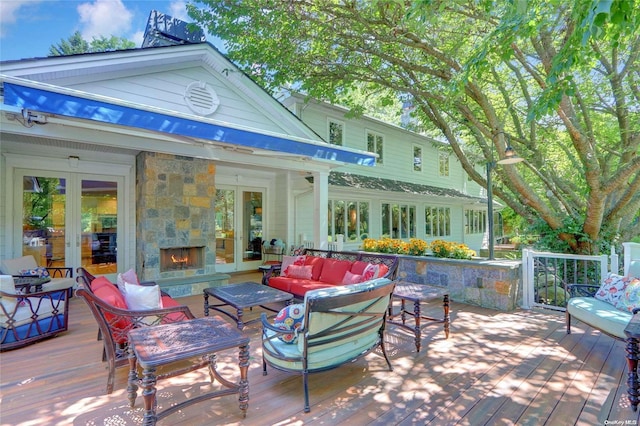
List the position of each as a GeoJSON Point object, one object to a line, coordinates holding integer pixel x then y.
{"type": "Point", "coordinates": [510, 157]}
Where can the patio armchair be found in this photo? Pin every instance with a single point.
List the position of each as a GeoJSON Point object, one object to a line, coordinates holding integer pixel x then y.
{"type": "Point", "coordinates": [334, 326]}
{"type": "Point", "coordinates": [29, 318]}
{"type": "Point", "coordinates": [32, 277]}
{"type": "Point", "coordinates": [115, 319]}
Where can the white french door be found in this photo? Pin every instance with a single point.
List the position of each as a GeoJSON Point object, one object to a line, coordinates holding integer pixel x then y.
{"type": "Point", "coordinates": [239, 225]}
{"type": "Point", "coordinates": [69, 219]}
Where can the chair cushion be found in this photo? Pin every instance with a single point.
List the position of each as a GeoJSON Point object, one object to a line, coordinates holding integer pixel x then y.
{"type": "Point", "coordinates": [100, 282]}
{"type": "Point", "coordinates": [358, 267]}
{"type": "Point", "coordinates": [7, 286]}
{"type": "Point", "coordinates": [301, 287]}
{"type": "Point", "coordinates": [333, 270]}
{"type": "Point", "coordinates": [43, 307]}
{"type": "Point", "coordinates": [290, 318]}
{"type": "Point", "coordinates": [599, 314]}
{"type": "Point", "coordinates": [317, 263]}
{"type": "Point", "coordinates": [110, 294]}
{"type": "Point", "coordinates": [612, 288]}
{"type": "Point", "coordinates": [14, 266]}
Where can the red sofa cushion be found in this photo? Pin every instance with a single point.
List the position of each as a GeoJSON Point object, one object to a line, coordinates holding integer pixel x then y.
{"type": "Point", "coordinates": [358, 267]}
{"type": "Point", "coordinates": [317, 263]}
{"type": "Point", "coordinates": [168, 302]}
{"type": "Point", "coordinates": [333, 270]}
{"type": "Point", "coordinates": [281, 283]}
{"type": "Point", "coordinates": [100, 282]}
{"type": "Point", "coordinates": [300, 287]}
{"type": "Point", "coordinates": [112, 296]}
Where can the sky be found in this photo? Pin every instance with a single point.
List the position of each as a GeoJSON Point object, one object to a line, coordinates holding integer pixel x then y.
{"type": "Point", "coordinates": [29, 27]}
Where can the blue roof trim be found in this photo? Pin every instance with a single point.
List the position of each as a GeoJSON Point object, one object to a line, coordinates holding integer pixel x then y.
{"type": "Point", "coordinates": [104, 112]}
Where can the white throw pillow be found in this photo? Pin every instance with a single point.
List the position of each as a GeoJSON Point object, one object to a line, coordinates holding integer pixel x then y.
{"type": "Point", "coordinates": [142, 297]}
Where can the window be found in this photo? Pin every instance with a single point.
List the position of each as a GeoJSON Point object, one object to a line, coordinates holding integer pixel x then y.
{"type": "Point", "coordinates": [398, 220]}
{"type": "Point", "coordinates": [475, 221]}
{"type": "Point", "coordinates": [444, 164]}
{"type": "Point", "coordinates": [417, 158]}
{"type": "Point", "coordinates": [437, 221]}
{"type": "Point", "coordinates": [349, 218]}
{"type": "Point", "coordinates": [374, 144]}
{"type": "Point", "coordinates": [336, 132]}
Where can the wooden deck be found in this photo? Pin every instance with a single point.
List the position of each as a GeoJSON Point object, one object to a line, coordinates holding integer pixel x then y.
{"type": "Point", "coordinates": [496, 368]}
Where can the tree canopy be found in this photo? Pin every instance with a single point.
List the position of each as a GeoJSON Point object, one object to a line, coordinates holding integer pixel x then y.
{"type": "Point", "coordinates": [75, 44]}
{"type": "Point", "coordinates": [558, 81]}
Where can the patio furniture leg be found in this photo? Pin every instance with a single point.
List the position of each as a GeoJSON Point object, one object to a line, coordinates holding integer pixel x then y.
{"type": "Point", "coordinates": [149, 396]}
{"type": "Point", "coordinates": [132, 383]}
{"type": "Point", "coordinates": [447, 319]}
{"type": "Point", "coordinates": [206, 304]}
{"type": "Point", "coordinates": [243, 397]}
{"type": "Point", "coordinates": [632, 382]}
{"type": "Point", "coordinates": [417, 331]}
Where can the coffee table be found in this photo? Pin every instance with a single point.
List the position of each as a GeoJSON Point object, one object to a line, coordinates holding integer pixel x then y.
{"type": "Point", "coordinates": [151, 347]}
{"type": "Point", "coordinates": [241, 296]}
{"type": "Point", "coordinates": [419, 293]}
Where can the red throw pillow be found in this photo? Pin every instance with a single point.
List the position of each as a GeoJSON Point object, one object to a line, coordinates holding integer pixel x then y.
{"type": "Point", "coordinates": [351, 278]}
{"type": "Point", "coordinates": [317, 263]}
{"type": "Point", "coordinates": [302, 272]}
{"type": "Point", "coordinates": [333, 270]}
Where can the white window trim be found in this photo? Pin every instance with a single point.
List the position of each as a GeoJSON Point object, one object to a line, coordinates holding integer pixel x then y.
{"type": "Point", "coordinates": [341, 123]}
{"type": "Point", "coordinates": [367, 132]}
{"type": "Point", "coordinates": [413, 149]}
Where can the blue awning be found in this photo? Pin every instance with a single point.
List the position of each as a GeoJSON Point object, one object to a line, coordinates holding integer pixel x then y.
{"type": "Point", "coordinates": [48, 101]}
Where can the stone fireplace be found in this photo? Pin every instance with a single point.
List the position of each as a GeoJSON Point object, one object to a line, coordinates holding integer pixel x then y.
{"type": "Point", "coordinates": [175, 216]}
{"type": "Point", "coordinates": [179, 258]}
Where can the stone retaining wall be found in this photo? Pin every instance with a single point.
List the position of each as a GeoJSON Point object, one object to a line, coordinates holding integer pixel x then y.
{"type": "Point", "coordinates": [492, 284]}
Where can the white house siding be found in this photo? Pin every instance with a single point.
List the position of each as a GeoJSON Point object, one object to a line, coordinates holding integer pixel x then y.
{"type": "Point", "coordinates": [166, 90]}
{"type": "Point", "coordinates": [397, 165]}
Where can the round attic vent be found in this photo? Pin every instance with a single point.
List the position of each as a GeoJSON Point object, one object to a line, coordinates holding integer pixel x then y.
{"type": "Point", "coordinates": [201, 98]}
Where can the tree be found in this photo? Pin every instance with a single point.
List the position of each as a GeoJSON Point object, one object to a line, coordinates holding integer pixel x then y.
{"type": "Point", "coordinates": [76, 44]}
{"type": "Point", "coordinates": [559, 81]}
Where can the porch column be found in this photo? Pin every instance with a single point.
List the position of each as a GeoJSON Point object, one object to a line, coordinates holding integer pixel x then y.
{"type": "Point", "coordinates": [320, 203]}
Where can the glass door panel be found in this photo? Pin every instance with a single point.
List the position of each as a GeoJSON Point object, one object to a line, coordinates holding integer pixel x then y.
{"type": "Point", "coordinates": [43, 219]}
{"type": "Point", "coordinates": [99, 223]}
{"type": "Point", "coordinates": [252, 225]}
{"type": "Point", "coordinates": [225, 226]}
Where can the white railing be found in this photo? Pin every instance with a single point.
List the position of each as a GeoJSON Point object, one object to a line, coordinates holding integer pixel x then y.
{"type": "Point", "coordinates": [545, 276]}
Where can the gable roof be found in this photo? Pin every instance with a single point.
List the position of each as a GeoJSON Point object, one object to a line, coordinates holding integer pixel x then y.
{"type": "Point", "coordinates": [45, 87]}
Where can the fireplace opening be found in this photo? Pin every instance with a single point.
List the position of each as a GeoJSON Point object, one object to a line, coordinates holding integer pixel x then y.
{"type": "Point", "coordinates": [181, 258]}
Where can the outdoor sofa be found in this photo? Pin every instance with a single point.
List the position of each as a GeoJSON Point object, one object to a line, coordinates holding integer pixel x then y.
{"type": "Point", "coordinates": [317, 269]}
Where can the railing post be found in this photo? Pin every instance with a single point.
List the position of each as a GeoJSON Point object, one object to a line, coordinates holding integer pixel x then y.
{"type": "Point", "coordinates": [527, 279]}
{"type": "Point", "coordinates": [614, 261]}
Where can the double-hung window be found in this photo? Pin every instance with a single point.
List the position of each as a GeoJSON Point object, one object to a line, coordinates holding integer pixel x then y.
{"type": "Point", "coordinates": [375, 142]}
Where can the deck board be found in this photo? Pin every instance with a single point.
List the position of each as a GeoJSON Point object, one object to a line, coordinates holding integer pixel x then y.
{"type": "Point", "coordinates": [496, 368]}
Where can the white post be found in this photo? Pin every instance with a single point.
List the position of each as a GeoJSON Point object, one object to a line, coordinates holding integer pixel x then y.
{"type": "Point", "coordinates": [614, 261]}
{"type": "Point", "coordinates": [528, 293]}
